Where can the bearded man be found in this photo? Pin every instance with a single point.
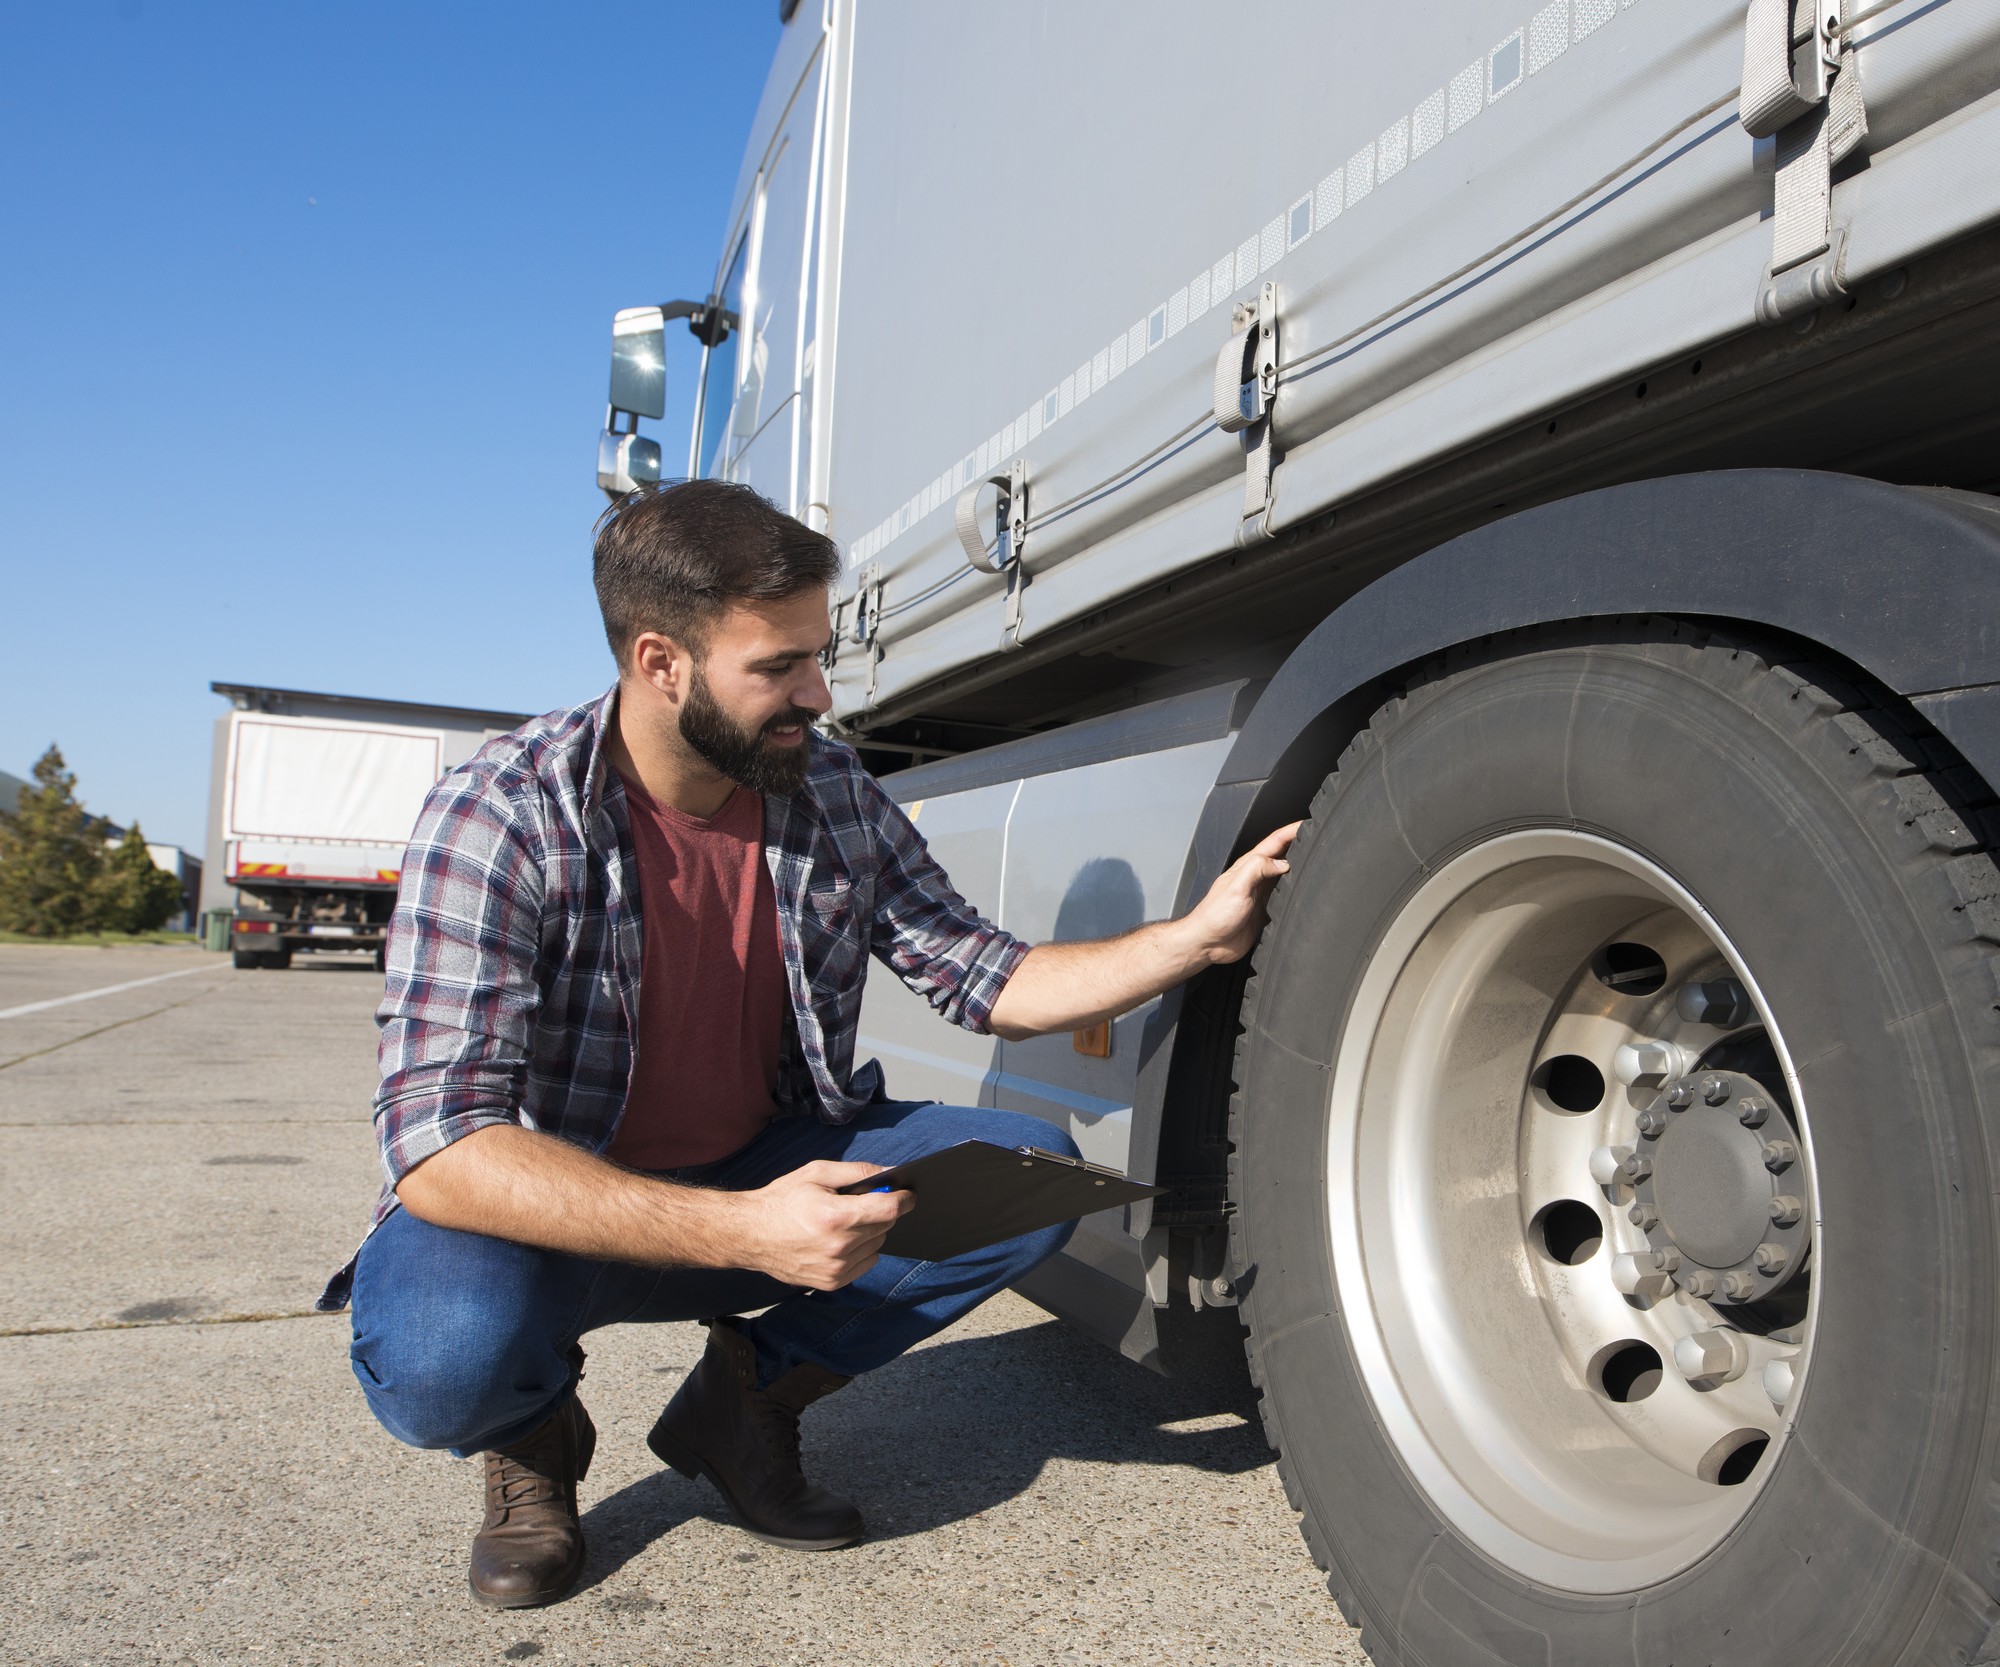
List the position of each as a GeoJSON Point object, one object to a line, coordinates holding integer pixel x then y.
{"type": "Point", "coordinates": [618, 1075]}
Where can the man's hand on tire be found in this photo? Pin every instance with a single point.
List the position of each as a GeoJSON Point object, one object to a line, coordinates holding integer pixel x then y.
{"type": "Point", "coordinates": [1227, 921]}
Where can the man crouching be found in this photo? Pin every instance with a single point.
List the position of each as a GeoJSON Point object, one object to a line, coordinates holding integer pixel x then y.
{"type": "Point", "coordinates": [618, 1077]}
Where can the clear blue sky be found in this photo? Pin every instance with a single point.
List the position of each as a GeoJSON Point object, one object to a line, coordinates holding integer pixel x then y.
{"type": "Point", "coordinates": [304, 318]}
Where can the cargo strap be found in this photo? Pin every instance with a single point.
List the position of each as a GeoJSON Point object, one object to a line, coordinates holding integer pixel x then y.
{"type": "Point", "coordinates": [1010, 538]}
{"type": "Point", "coordinates": [1801, 87]}
{"type": "Point", "coordinates": [1246, 386]}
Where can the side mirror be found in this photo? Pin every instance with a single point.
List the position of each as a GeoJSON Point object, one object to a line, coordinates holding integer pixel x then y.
{"type": "Point", "coordinates": [626, 462]}
{"type": "Point", "coordinates": [639, 362]}
{"type": "Point", "coordinates": [626, 459]}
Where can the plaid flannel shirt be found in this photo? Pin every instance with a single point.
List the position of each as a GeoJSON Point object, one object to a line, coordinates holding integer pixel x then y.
{"type": "Point", "coordinates": [514, 949]}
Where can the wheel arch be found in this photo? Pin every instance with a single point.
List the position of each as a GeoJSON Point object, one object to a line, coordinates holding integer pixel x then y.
{"type": "Point", "coordinates": [1900, 583]}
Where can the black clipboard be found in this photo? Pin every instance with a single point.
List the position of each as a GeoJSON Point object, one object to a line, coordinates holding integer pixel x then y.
{"type": "Point", "coordinates": [975, 1194]}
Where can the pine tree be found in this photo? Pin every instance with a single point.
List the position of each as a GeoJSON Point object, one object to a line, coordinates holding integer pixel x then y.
{"type": "Point", "coordinates": [51, 857]}
{"type": "Point", "coordinates": [133, 894]}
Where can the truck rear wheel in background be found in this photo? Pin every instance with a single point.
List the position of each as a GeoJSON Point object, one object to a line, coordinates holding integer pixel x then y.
{"type": "Point", "coordinates": [1615, 1218]}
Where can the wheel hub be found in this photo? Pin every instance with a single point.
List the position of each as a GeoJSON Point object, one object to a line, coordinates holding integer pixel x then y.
{"type": "Point", "coordinates": [1549, 1239]}
{"type": "Point", "coordinates": [1719, 1190]}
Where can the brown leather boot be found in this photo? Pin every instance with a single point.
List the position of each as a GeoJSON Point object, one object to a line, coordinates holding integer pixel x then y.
{"type": "Point", "coordinates": [529, 1551]}
{"type": "Point", "coordinates": [746, 1441]}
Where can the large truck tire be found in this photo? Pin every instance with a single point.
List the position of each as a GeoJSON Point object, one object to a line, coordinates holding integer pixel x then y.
{"type": "Point", "coordinates": [1615, 1216]}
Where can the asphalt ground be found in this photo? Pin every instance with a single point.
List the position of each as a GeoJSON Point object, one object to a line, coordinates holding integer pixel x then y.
{"type": "Point", "coordinates": [197, 1479]}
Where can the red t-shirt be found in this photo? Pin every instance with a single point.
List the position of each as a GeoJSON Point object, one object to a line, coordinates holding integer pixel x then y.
{"type": "Point", "coordinates": [711, 985]}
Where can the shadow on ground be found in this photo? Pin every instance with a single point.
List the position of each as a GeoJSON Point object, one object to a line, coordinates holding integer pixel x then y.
{"type": "Point", "coordinates": [951, 1431]}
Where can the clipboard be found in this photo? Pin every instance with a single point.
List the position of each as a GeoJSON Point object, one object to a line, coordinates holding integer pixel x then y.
{"type": "Point", "coordinates": [975, 1194]}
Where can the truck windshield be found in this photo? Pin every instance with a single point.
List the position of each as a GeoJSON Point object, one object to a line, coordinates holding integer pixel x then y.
{"type": "Point", "coordinates": [718, 387]}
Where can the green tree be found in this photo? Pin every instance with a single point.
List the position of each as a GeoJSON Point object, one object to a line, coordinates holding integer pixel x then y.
{"type": "Point", "coordinates": [133, 893]}
{"type": "Point", "coordinates": [51, 857]}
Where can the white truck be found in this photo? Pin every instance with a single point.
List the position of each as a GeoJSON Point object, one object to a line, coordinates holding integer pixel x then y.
{"type": "Point", "coordinates": [1547, 447]}
{"type": "Point", "coordinates": [313, 798]}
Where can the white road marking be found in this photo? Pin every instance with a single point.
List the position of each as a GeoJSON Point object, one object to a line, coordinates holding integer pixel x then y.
{"type": "Point", "coordinates": [106, 990]}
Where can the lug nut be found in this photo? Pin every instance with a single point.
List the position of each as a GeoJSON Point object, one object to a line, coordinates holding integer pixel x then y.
{"type": "Point", "coordinates": [1786, 1210]}
{"type": "Point", "coordinates": [1715, 1090]}
{"type": "Point", "coordinates": [1644, 1217]}
{"type": "Point", "coordinates": [1680, 1096]}
{"type": "Point", "coordinates": [1751, 1111]}
{"type": "Point", "coordinates": [1698, 1283]}
{"type": "Point", "coordinates": [1636, 1167]}
{"type": "Point", "coordinates": [1722, 1002]}
{"type": "Point", "coordinates": [1605, 1162]}
{"type": "Point", "coordinates": [1641, 1277]}
{"type": "Point", "coordinates": [1645, 1063]}
{"type": "Point", "coordinates": [1713, 1356]}
{"type": "Point", "coordinates": [1738, 1287]}
{"type": "Point", "coordinates": [1778, 1382]}
{"type": "Point", "coordinates": [1779, 1156]}
{"type": "Point", "coordinates": [1771, 1258]}
{"type": "Point", "coordinates": [1651, 1121]}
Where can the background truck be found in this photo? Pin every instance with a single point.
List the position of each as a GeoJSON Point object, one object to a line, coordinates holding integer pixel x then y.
{"type": "Point", "coordinates": [1545, 446]}
{"type": "Point", "coordinates": [312, 800]}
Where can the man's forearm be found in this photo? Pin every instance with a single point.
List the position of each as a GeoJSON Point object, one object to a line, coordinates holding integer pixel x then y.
{"type": "Point", "coordinates": [513, 1183]}
{"type": "Point", "coordinates": [1065, 986]}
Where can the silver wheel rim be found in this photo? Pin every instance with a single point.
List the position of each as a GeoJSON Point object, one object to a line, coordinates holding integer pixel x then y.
{"type": "Point", "coordinates": [1486, 1357]}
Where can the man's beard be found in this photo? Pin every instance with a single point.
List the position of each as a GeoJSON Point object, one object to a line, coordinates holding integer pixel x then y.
{"type": "Point", "coordinates": [745, 756]}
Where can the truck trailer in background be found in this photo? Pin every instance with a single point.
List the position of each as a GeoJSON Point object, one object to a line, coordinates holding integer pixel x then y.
{"type": "Point", "coordinates": [1547, 445]}
{"type": "Point", "coordinates": [312, 799]}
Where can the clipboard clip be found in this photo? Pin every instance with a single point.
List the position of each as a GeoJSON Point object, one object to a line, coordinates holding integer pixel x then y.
{"type": "Point", "coordinates": [1043, 1155]}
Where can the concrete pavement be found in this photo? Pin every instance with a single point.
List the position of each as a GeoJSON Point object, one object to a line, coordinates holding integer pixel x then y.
{"type": "Point", "coordinates": [183, 1162]}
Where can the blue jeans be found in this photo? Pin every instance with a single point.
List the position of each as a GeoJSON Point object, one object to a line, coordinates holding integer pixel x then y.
{"type": "Point", "coordinates": [467, 1342]}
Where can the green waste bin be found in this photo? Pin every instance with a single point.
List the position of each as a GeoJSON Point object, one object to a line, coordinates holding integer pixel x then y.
{"type": "Point", "coordinates": [215, 928]}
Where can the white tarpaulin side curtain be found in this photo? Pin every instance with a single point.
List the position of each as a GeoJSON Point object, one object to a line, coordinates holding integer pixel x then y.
{"type": "Point", "coordinates": [312, 781]}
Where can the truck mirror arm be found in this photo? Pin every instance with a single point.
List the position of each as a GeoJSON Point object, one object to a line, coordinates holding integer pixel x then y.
{"type": "Point", "coordinates": [709, 322]}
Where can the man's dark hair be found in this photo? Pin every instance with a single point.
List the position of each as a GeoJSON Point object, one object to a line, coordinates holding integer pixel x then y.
{"type": "Point", "coordinates": [672, 558]}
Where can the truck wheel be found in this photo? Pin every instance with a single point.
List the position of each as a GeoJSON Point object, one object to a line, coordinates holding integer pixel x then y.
{"type": "Point", "coordinates": [1615, 1220]}
{"type": "Point", "coordinates": [278, 960]}
{"type": "Point", "coordinates": [245, 960]}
